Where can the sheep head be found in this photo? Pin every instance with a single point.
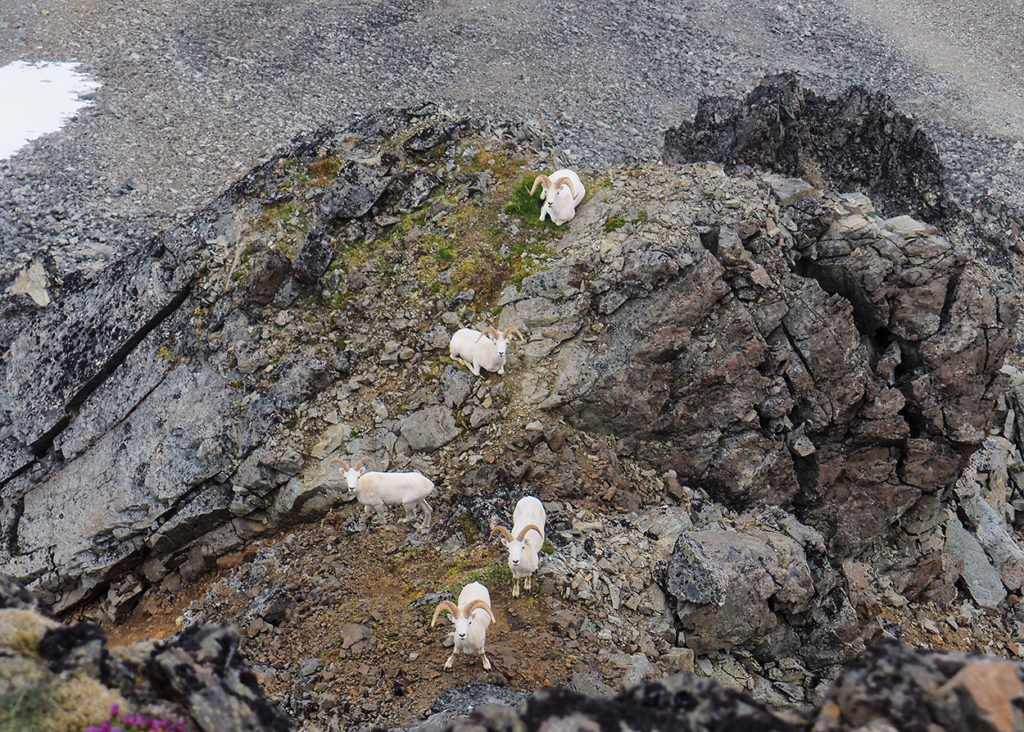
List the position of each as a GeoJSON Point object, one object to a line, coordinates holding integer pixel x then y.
{"type": "Point", "coordinates": [501, 340]}
{"type": "Point", "coordinates": [515, 544]}
{"type": "Point", "coordinates": [352, 472]}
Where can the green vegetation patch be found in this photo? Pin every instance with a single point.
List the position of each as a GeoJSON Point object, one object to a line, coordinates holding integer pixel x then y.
{"type": "Point", "coordinates": [614, 223]}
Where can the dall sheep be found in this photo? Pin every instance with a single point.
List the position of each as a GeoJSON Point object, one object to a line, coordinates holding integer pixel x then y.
{"type": "Point", "coordinates": [376, 490]}
{"type": "Point", "coordinates": [471, 617]}
{"type": "Point", "coordinates": [561, 192]}
{"type": "Point", "coordinates": [477, 351]}
{"type": "Point", "coordinates": [525, 540]}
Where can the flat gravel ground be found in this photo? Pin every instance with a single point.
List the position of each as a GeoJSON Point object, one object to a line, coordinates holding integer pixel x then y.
{"type": "Point", "coordinates": [197, 91]}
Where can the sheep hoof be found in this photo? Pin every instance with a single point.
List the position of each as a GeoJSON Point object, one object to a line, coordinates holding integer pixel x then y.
{"type": "Point", "coordinates": [487, 664]}
{"type": "Point", "coordinates": [449, 663]}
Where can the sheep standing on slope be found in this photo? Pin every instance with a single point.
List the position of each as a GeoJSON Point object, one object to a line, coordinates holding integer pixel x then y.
{"type": "Point", "coordinates": [471, 617]}
{"type": "Point", "coordinates": [477, 351]}
{"type": "Point", "coordinates": [561, 192]}
{"type": "Point", "coordinates": [525, 540]}
{"type": "Point", "coordinates": [376, 490]}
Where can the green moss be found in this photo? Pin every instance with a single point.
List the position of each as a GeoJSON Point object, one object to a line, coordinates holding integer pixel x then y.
{"type": "Point", "coordinates": [324, 170]}
{"type": "Point", "coordinates": [613, 223]}
{"type": "Point", "coordinates": [641, 217]}
{"type": "Point", "coordinates": [490, 576]}
{"type": "Point", "coordinates": [469, 529]}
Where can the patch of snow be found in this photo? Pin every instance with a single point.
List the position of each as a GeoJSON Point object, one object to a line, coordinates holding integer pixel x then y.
{"type": "Point", "coordinates": [37, 99]}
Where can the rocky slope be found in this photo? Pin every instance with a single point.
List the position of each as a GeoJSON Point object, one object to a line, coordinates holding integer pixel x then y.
{"type": "Point", "coordinates": [64, 677]}
{"type": "Point", "coordinates": [770, 424]}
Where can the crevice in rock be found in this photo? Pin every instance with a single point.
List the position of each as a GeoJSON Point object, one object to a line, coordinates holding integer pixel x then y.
{"type": "Point", "coordinates": [947, 303]}
{"type": "Point", "coordinates": [799, 354]}
{"type": "Point", "coordinates": [838, 281]}
{"type": "Point", "coordinates": [45, 441]}
{"type": "Point", "coordinates": [806, 471]}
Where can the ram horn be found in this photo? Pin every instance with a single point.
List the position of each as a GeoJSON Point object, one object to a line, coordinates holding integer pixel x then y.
{"type": "Point", "coordinates": [339, 460]}
{"type": "Point", "coordinates": [485, 331]}
{"type": "Point", "coordinates": [543, 180]}
{"type": "Point", "coordinates": [359, 463]}
{"type": "Point", "coordinates": [479, 603]}
{"type": "Point", "coordinates": [528, 527]}
{"type": "Point", "coordinates": [565, 179]}
{"type": "Point", "coordinates": [441, 607]}
{"type": "Point", "coordinates": [515, 331]}
{"type": "Point", "coordinates": [503, 531]}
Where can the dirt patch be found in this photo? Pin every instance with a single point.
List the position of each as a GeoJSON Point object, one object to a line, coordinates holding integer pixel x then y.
{"type": "Point", "coordinates": [338, 584]}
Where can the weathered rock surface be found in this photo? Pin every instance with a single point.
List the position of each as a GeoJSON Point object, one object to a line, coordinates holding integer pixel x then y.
{"type": "Point", "coordinates": [813, 355]}
{"type": "Point", "coordinates": [64, 678]}
{"type": "Point", "coordinates": [729, 386]}
{"type": "Point", "coordinates": [764, 584]}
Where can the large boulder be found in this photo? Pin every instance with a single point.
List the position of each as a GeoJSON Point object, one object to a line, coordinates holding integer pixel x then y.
{"type": "Point", "coordinates": [813, 355]}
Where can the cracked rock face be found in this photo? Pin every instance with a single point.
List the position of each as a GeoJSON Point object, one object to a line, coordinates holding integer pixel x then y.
{"type": "Point", "coordinates": [814, 355]}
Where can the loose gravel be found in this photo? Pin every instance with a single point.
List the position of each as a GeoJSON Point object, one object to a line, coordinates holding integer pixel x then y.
{"type": "Point", "coordinates": [197, 92]}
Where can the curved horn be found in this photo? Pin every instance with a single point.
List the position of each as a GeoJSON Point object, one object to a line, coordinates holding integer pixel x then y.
{"type": "Point", "coordinates": [528, 527]}
{"type": "Point", "coordinates": [441, 607]}
{"type": "Point", "coordinates": [360, 461]}
{"type": "Point", "coordinates": [485, 331]}
{"type": "Point", "coordinates": [339, 460]}
{"type": "Point", "coordinates": [479, 603]}
{"type": "Point", "coordinates": [543, 180]}
{"type": "Point", "coordinates": [503, 531]}
{"type": "Point", "coordinates": [515, 331]}
{"type": "Point", "coordinates": [565, 179]}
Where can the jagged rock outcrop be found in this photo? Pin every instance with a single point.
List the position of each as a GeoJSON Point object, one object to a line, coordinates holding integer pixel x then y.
{"type": "Point", "coordinates": [892, 688]}
{"type": "Point", "coordinates": [857, 141]}
{"type": "Point", "coordinates": [63, 677]}
{"type": "Point", "coordinates": [764, 584]}
{"type": "Point", "coordinates": [812, 354]}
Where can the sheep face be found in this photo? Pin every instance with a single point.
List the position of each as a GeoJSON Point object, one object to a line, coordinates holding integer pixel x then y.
{"type": "Point", "coordinates": [559, 205]}
{"type": "Point", "coordinates": [515, 553]}
{"type": "Point", "coordinates": [500, 346]}
{"type": "Point", "coordinates": [352, 478]}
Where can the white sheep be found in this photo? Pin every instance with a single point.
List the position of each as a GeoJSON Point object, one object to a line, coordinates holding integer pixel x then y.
{"type": "Point", "coordinates": [561, 192]}
{"type": "Point", "coordinates": [477, 351]}
{"type": "Point", "coordinates": [376, 490]}
{"type": "Point", "coordinates": [525, 540]}
{"type": "Point", "coordinates": [471, 617]}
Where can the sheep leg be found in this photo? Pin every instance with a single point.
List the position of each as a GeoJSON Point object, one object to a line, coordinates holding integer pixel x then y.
{"type": "Point", "coordinates": [382, 513]}
{"type": "Point", "coordinates": [527, 583]}
{"type": "Point", "coordinates": [428, 513]}
{"type": "Point", "coordinates": [450, 662]}
{"type": "Point", "coordinates": [487, 661]}
{"type": "Point", "coordinates": [515, 588]}
{"type": "Point", "coordinates": [410, 513]}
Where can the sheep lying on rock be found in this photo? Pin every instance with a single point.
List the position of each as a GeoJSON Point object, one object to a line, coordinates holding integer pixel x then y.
{"type": "Point", "coordinates": [376, 490]}
{"type": "Point", "coordinates": [477, 351]}
{"type": "Point", "coordinates": [561, 192]}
